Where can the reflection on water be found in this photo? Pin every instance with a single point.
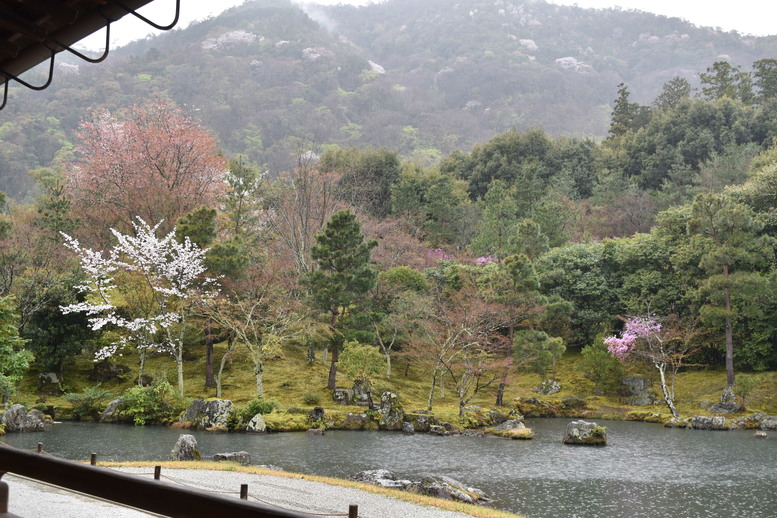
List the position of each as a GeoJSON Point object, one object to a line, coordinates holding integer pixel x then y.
{"type": "Point", "coordinates": [644, 471]}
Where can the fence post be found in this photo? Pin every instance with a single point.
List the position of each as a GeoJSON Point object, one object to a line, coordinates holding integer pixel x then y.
{"type": "Point", "coordinates": [157, 472]}
{"type": "Point", "coordinates": [40, 447]}
{"type": "Point", "coordinates": [3, 495]}
{"type": "Point", "coordinates": [353, 511]}
{"type": "Point", "coordinates": [243, 491]}
{"type": "Point", "coordinates": [93, 459]}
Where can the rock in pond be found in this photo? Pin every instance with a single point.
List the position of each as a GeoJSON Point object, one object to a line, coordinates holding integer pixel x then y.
{"type": "Point", "coordinates": [706, 422]}
{"type": "Point", "coordinates": [761, 435]}
{"type": "Point", "coordinates": [206, 414]}
{"type": "Point", "coordinates": [512, 429]}
{"type": "Point", "coordinates": [421, 420]}
{"type": "Point", "coordinates": [257, 424]}
{"type": "Point", "coordinates": [407, 428]}
{"type": "Point", "coordinates": [112, 413]}
{"type": "Point", "coordinates": [315, 431]}
{"type": "Point", "coordinates": [449, 489]}
{"type": "Point", "coordinates": [583, 432]}
{"type": "Point", "coordinates": [438, 430]}
{"type": "Point", "coordinates": [380, 477]}
{"type": "Point", "coordinates": [436, 486]}
{"type": "Point", "coordinates": [241, 457]}
{"type": "Point", "coordinates": [18, 419]}
{"type": "Point", "coordinates": [185, 449]}
{"type": "Point", "coordinates": [391, 413]}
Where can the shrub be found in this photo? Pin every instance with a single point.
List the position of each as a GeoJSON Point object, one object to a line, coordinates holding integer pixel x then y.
{"type": "Point", "coordinates": [159, 404]}
{"type": "Point", "coordinates": [606, 371]}
{"type": "Point", "coordinates": [88, 403]}
{"type": "Point", "coordinates": [311, 399]}
{"type": "Point", "coordinates": [243, 414]}
{"type": "Point", "coordinates": [285, 422]}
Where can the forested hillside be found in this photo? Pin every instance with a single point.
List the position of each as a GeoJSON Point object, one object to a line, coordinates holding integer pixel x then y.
{"type": "Point", "coordinates": [424, 78]}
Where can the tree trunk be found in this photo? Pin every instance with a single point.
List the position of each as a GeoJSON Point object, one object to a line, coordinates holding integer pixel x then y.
{"type": "Point", "coordinates": [258, 373]}
{"type": "Point", "coordinates": [141, 366]}
{"type": "Point", "coordinates": [179, 366]}
{"type": "Point", "coordinates": [388, 366]}
{"type": "Point", "coordinates": [209, 381]}
{"type": "Point", "coordinates": [667, 396]}
{"type": "Point", "coordinates": [332, 382]}
{"type": "Point", "coordinates": [501, 390]}
{"type": "Point", "coordinates": [431, 391]}
{"type": "Point", "coordinates": [223, 362]}
{"type": "Point", "coordinates": [729, 331]}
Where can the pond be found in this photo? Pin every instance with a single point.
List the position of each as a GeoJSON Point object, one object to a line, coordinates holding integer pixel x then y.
{"type": "Point", "coordinates": [644, 471]}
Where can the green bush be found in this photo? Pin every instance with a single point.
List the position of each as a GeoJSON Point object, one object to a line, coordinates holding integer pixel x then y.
{"type": "Point", "coordinates": [243, 414]}
{"type": "Point", "coordinates": [606, 371]}
{"type": "Point", "coordinates": [285, 422]}
{"type": "Point", "coordinates": [88, 403]}
{"type": "Point", "coordinates": [158, 404]}
{"type": "Point", "coordinates": [311, 399]}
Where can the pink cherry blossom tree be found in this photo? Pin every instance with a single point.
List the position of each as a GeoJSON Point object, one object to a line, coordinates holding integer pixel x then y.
{"type": "Point", "coordinates": [646, 339]}
{"type": "Point", "coordinates": [144, 287]}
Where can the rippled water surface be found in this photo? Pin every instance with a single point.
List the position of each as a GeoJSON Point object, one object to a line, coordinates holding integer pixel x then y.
{"type": "Point", "coordinates": [644, 471]}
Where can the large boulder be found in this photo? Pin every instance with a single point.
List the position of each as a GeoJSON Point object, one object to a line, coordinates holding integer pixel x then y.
{"type": "Point", "coordinates": [257, 424]}
{"type": "Point", "coordinates": [548, 387]}
{"type": "Point", "coordinates": [407, 428]}
{"type": "Point", "coordinates": [769, 422]}
{"type": "Point", "coordinates": [726, 407]}
{"type": "Point", "coordinates": [421, 420]}
{"type": "Point", "coordinates": [18, 419]}
{"type": "Point", "coordinates": [104, 371]}
{"type": "Point", "coordinates": [362, 392]}
{"type": "Point", "coordinates": [638, 391]}
{"type": "Point", "coordinates": [240, 457]}
{"type": "Point", "coordinates": [512, 429]}
{"type": "Point", "coordinates": [391, 413]}
{"type": "Point", "coordinates": [49, 384]}
{"type": "Point", "coordinates": [112, 413]}
{"type": "Point", "coordinates": [449, 489]}
{"type": "Point", "coordinates": [380, 477]}
{"type": "Point", "coordinates": [185, 449]}
{"type": "Point", "coordinates": [343, 396]}
{"type": "Point", "coordinates": [707, 422]}
{"type": "Point", "coordinates": [583, 432]}
{"type": "Point", "coordinates": [436, 486]}
{"type": "Point", "coordinates": [208, 414]}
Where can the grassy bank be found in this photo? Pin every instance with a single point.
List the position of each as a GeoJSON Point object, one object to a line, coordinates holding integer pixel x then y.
{"type": "Point", "coordinates": [299, 386]}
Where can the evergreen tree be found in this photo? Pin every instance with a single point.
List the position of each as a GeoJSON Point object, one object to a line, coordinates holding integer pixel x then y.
{"type": "Point", "coordinates": [343, 276]}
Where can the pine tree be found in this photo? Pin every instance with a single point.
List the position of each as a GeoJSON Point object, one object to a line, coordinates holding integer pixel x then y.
{"type": "Point", "coordinates": [343, 275]}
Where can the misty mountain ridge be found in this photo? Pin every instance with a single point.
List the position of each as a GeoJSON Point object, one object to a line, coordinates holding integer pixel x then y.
{"type": "Point", "coordinates": [273, 79]}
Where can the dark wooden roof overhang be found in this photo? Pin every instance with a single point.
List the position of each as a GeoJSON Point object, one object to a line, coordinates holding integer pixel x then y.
{"type": "Point", "coordinates": [34, 31]}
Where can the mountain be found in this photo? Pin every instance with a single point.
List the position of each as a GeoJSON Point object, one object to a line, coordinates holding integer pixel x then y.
{"type": "Point", "coordinates": [275, 80]}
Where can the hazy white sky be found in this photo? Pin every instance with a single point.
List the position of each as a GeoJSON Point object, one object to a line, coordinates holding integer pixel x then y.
{"type": "Point", "coordinates": [757, 17]}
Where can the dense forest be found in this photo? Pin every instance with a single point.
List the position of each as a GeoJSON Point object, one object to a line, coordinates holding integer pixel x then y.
{"type": "Point", "coordinates": [144, 235]}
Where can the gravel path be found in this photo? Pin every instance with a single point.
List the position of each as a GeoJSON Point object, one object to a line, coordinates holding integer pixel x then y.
{"type": "Point", "coordinates": [29, 499]}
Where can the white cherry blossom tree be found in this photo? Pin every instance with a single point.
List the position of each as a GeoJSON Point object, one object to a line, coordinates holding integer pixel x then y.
{"type": "Point", "coordinates": [144, 287]}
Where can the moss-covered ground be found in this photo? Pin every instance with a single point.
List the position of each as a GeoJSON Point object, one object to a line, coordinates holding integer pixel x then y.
{"type": "Point", "coordinates": [297, 384]}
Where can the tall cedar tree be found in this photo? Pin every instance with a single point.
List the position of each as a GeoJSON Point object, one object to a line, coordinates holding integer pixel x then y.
{"type": "Point", "coordinates": [343, 275]}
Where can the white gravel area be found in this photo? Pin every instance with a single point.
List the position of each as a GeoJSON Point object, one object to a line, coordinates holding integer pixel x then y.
{"type": "Point", "coordinates": [29, 499]}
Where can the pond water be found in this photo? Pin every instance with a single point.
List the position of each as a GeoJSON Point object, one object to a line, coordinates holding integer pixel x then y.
{"type": "Point", "coordinates": [644, 471]}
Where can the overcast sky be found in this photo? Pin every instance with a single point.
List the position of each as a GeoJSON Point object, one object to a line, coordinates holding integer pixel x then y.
{"type": "Point", "coordinates": [757, 17]}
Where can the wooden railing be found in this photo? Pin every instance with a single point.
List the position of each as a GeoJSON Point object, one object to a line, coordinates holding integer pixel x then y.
{"type": "Point", "coordinates": [127, 489]}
